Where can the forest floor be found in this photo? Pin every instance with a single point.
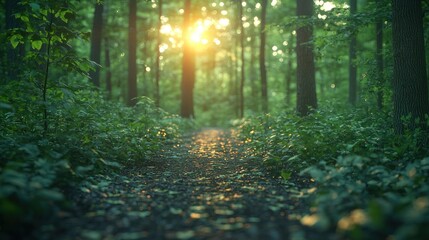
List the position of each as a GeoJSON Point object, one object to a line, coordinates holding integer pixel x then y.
{"type": "Point", "coordinates": [203, 187]}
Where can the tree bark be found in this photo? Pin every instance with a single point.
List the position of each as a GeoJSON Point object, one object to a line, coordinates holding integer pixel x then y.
{"type": "Point", "coordinates": [289, 71]}
{"type": "Point", "coordinates": [253, 74]}
{"type": "Point", "coordinates": [158, 55]}
{"type": "Point", "coordinates": [352, 60]}
{"type": "Point", "coordinates": [410, 89]}
{"type": "Point", "coordinates": [107, 66]}
{"type": "Point", "coordinates": [132, 53]}
{"type": "Point", "coordinates": [96, 37]}
{"type": "Point", "coordinates": [262, 66]}
{"type": "Point", "coordinates": [145, 78]}
{"type": "Point", "coordinates": [13, 55]}
{"type": "Point", "coordinates": [379, 59]}
{"type": "Point", "coordinates": [188, 67]}
{"type": "Point", "coordinates": [306, 82]}
{"type": "Point", "coordinates": [242, 78]}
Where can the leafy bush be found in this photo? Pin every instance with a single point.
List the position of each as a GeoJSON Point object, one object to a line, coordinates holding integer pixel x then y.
{"type": "Point", "coordinates": [86, 135]}
{"type": "Point", "coordinates": [371, 198]}
{"type": "Point", "coordinates": [293, 143]}
{"type": "Point", "coordinates": [365, 181]}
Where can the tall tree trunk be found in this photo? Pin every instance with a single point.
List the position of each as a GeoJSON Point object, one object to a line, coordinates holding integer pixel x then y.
{"type": "Point", "coordinates": [232, 72]}
{"type": "Point", "coordinates": [188, 67]}
{"type": "Point", "coordinates": [132, 53]}
{"type": "Point", "coordinates": [262, 67]}
{"type": "Point", "coordinates": [410, 89]}
{"type": "Point", "coordinates": [146, 44]}
{"type": "Point", "coordinates": [158, 55]}
{"type": "Point", "coordinates": [379, 58]}
{"type": "Point", "coordinates": [236, 89]}
{"type": "Point", "coordinates": [289, 72]}
{"type": "Point", "coordinates": [306, 82]}
{"type": "Point", "coordinates": [107, 67]}
{"type": "Point", "coordinates": [352, 60]}
{"type": "Point", "coordinates": [13, 55]}
{"type": "Point", "coordinates": [242, 79]}
{"type": "Point", "coordinates": [96, 36]}
{"type": "Point", "coordinates": [253, 74]}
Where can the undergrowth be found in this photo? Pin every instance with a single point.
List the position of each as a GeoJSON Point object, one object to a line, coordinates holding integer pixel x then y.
{"type": "Point", "coordinates": [367, 182]}
{"type": "Point", "coordinates": [87, 136]}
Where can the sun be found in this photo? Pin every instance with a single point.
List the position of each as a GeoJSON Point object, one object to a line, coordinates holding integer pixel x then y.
{"type": "Point", "coordinates": [196, 35]}
{"type": "Point", "coordinates": [202, 33]}
{"type": "Point", "coordinates": [203, 30]}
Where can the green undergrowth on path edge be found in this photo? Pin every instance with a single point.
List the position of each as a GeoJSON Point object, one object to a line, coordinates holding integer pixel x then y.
{"type": "Point", "coordinates": [368, 183]}
{"type": "Point", "coordinates": [88, 137]}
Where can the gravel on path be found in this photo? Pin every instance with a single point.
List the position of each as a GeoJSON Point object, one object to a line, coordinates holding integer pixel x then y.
{"type": "Point", "coordinates": [203, 187]}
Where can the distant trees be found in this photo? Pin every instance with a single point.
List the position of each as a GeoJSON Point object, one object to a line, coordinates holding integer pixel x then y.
{"type": "Point", "coordinates": [132, 52]}
{"type": "Point", "coordinates": [96, 37]}
{"type": "Point", "coordinates": [306, 83]}
{"type": "Point", "coordinates": [188, 66]}
{"type": "Point", "coordinates": [410, 89]}
{"type": "Point", "coordinates": [234, 42]}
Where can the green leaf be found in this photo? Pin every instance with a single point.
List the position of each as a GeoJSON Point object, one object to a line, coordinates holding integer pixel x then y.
{"type": "Point", "coordinates": [36, 44]}
{"type": "Point", "coordinates": [31, 149]}
{"type": "Point", "coordinates": [285, 174]}
{"type": "Point", "coordinates": [35, 7]}
{"type": "Point", "coordinates": [51, 194]}
{"type": "Point", "coordinates": [5, 106]}
{"type": "Point", "coordinates": [83, 170]}
{"type": "Point", "coordinates": [110, 163]}
{"type": "Point", "coordinates": [15, 40]}
{"type": "Point", "coordinates": [25, 19]}
{"type": "Point", "coordinates": [140, 214]}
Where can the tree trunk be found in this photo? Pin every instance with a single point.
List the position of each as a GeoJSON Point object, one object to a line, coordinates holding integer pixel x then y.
{"type": "Point", "coordinates": [158, 55]}
{"type": "Point", "coordinates": [262, 67]}
{"type": "Point", "coordinates": [146, 39]}
{"type": "Point", "coordinates": [253, 75]}
{"type": "Point", "coordinates": [13, 55]}
{"type": "Point", "coordinates": [410, 89]}
{"type": "Point", "coordinates": [379, 59]}
{"type": "Point", "coordinates": [352, 60]}
{"type": "Point", "coordinates": [132, 52]}
{"type": "Point", "coordinates": [188, 67]}
{"type": "Point", "coordinates": [96, 36]}
{"type": "Point", "coordinates": [240, 14]}
{"type": "Point", "coordinates": [107, 67]}
{"type": "Point", "coordinates": [306, 83]}
{"type": "Point", "coordinates": [289, 71]}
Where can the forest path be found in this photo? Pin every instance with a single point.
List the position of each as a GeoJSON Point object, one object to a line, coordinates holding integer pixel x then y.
{"type": "Point", "coordinates": [201, 188]}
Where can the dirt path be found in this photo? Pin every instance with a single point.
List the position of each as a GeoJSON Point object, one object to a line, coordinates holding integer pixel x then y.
{"type": "Point", "coordinates": [201, 188]}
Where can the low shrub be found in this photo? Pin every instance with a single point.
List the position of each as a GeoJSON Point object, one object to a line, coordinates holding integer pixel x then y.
{"type": "Point", "coordinates": [87, 135]}
{"type": "Point", "coordinates": [365, 182]}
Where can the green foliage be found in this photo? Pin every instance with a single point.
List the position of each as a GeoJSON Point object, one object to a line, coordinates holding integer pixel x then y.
{"type": "Point", "coordinates": [293, 143]}
{"type": "Point", "coordinates": [88, 135]}
{"type": "Point", "coordinates": [365, 181]}
{"type": "Point", "coordinates": [47, 23]}
{"type": "Point", "coordinates": [367, 198]}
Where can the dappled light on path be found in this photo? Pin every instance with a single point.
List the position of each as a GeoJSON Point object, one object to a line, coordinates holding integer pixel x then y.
{"type": "Point", "coordinates": [212, 144]}
{"type": "Point", "coordinates": [202, 187]}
